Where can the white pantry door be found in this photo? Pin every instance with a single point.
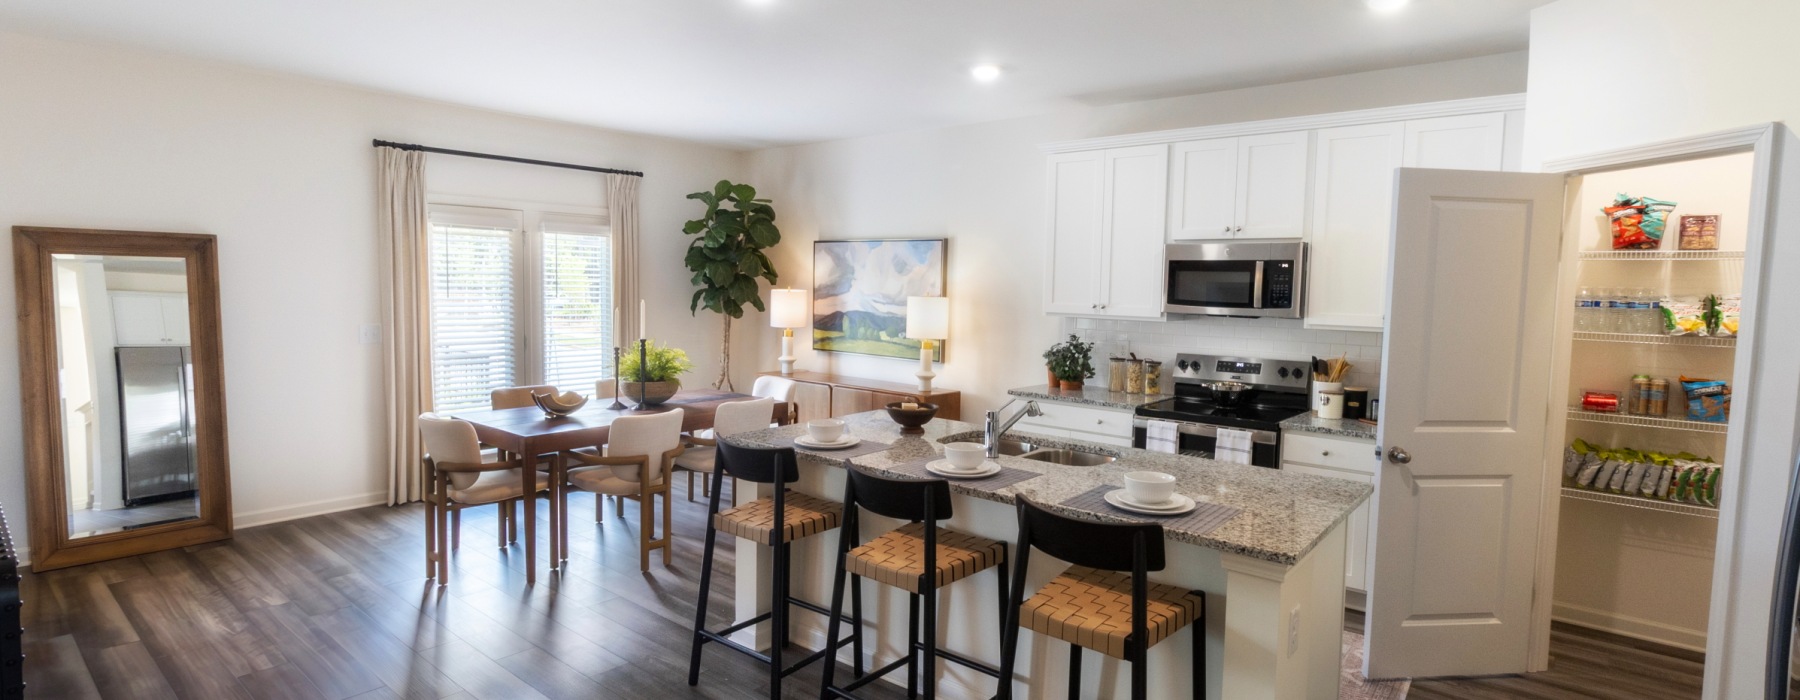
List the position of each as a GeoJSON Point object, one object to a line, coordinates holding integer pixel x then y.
{"type": "Point", "coordinates": [1471, 309]}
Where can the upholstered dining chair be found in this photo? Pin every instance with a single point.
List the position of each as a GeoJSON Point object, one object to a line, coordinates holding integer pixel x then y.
{"type": "Point", "coordinates": [730, 419]}
{"type": "Point", "coordinates": [636, 463]}
{"type": "Point", "coordinates": [781, 389]}
{"type": "Point", "coordinates": [517, 396]}
{"type": "Point", "coordinates": [457, 478]}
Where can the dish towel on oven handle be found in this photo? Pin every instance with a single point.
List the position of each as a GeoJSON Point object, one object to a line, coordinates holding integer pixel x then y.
{"type": "Point", "coordinates": [1232, 446]}
{"type": "Point", "coordinates": [1162, 436]}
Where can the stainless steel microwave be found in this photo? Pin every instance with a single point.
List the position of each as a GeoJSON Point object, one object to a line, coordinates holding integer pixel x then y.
{"type": "Point", "coordinates": [1252, 279]}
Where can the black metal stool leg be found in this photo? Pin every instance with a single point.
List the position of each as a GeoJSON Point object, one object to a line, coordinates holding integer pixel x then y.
{"type": "Point", "coordinates": [1200, 650]}
{"type": "Point", "coordinates": [777, 619]}
{"type": "Point", "coordinates": [928, 674]}
{"type": "Point", "coordinates": [1074, 671]}
{"type": "Point", "coordinates": [856, 643]}
{"type": "Point", "coordinates": [1139, 673]}
{"type": "Point", "coordinates": [912, 647]}
{"type": "Point", "coordinates": [706, 566]}
{"type": "Point", "coordinates": [831, 628]}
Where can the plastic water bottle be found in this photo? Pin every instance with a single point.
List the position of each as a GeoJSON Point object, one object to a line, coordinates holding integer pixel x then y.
{"type": "Point", "coordinates": [1654, 323]}
{"type": "Point", "coordinates": [1606, 305]}
{"type": "Point", "coordinates": [1584, 310]}
{"type": "Point", "coordinates": [1634, 305]}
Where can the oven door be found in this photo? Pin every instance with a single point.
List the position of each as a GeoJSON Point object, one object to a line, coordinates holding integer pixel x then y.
{"type": "Point", "coordinates": [1197, 440]}
{"type": "Point", "coordinates": [1216, 287]}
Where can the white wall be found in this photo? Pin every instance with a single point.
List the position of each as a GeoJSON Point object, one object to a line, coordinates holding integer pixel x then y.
{"type": "Point", "coordinates": [281, 169]}
{"type": "Point", "coordinates": [982, 186]}
{"type": "Point", "coordinates": [1606, 74]}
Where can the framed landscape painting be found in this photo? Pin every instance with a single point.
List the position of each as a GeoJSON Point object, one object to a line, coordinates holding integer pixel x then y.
{"type": "Point", "coordinates": [860, 290]}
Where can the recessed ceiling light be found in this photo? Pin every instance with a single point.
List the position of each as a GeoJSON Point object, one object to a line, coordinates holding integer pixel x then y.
{"type": "Point", "coordinates": [985, 73]}
{"type": "Point", "coordinates": [1386, 5]}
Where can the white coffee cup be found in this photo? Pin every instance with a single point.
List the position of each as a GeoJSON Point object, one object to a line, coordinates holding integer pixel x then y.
{"type": "Point", "coordinates": [825, 429]}
{"type": "Point", "coordinates": [966, 456]}
{"type": "Point", "coordinates": [1149, 488]}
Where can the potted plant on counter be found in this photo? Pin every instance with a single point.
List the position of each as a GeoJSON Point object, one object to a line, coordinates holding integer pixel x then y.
{"type": "Point", "coordinates": [657, 377]}
{"type": "Point", "coordinates": [1070, 362]}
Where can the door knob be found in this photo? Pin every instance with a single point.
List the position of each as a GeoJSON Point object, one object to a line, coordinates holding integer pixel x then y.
{"type": "Point", "coordinates": [1398, 456]}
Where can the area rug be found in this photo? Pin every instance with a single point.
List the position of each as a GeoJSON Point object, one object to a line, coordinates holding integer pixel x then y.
{"type": "Point", "coordinates": [1352, 685]}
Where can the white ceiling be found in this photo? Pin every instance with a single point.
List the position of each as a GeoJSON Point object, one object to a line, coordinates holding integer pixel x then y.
{"type": "Point", "coordinates": [751, 73]}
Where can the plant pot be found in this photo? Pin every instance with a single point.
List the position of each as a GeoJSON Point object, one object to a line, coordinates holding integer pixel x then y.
{"type": "Point", "coordinates": [1070, 384]}
{"type": "Point", "coordinates": [1052, 375]}
{"type": "Point", "coordinates": [650, 393]}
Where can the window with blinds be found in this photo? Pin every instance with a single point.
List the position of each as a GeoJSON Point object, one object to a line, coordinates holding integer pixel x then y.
{"type": "Point", "coordinates": [474, 343]}
{"type": "Point", "coordinates": [578, 304]}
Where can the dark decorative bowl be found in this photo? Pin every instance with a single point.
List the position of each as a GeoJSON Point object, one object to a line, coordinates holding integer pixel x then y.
{"type": "Point", "coordinates": [912, 420]}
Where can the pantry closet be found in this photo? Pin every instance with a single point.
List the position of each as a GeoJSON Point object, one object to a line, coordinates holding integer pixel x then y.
{"type": "Point", "coordinates": [1640, 492]}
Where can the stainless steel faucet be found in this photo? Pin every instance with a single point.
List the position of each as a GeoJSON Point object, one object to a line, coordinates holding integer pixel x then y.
{"type": "Point", "coordinates": [993, 429]}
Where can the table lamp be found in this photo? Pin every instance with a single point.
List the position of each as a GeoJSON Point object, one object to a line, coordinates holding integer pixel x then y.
{"type": "Point", "coordinates": [927, 319]}
{"type": "Point", "coordinates": [787, 311]}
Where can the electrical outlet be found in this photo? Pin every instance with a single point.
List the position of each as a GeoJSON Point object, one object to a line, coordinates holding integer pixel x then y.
{"type": "Point", "coordinates": [371, 334]}
{"type": "Point", "coordinates": [1293, 631]}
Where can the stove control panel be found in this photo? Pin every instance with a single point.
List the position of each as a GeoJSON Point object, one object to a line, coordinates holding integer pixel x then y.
{"type": "Point", "coordinates": [1281, 375]}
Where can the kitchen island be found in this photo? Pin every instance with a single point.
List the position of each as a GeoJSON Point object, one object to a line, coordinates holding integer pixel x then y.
{"type": "Point", "coordinates": [1272, 573]}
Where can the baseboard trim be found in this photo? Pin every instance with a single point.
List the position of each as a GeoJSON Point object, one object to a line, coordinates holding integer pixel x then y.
{"type": "Point", "coordinates": [270, 516]}
{"type": "Point", "coordinates": [1628, 626]}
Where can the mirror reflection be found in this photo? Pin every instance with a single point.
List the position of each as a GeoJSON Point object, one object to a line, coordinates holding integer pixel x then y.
{"type": "Point", "coordinates": [126, 378]}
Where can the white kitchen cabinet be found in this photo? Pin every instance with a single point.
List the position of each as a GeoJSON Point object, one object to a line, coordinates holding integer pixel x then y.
{"type": "Point", "coordinates": [1352, 205]}
{"type": "Point", "coordinates": [1339, 458]}
{"type": "Point", "coordinates": [146, 318]}
{"type": "Point", "coordinates": [1108, 426]}
{"type": "Point", "coordinates": [1107, 221]}
{"type": "Point", "coordinates": [1241, 187]}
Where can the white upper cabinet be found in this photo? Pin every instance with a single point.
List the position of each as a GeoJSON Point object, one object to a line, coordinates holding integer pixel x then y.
{"type": "Point", "coordinates": [146, 318]}
{"type": "Point", "coordinates": [1107, 225]}
{"type": "Point", "coordinates": [1353, 198]}
{"type": "Point", "coordinates": [1241, 187]}
{"type": "Point", "coordinates": [1353, 193]}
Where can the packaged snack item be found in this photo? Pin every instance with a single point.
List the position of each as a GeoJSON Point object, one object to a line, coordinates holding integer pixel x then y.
{"type": "Point", "coordinates": [1683, 317]}
{"type": "Point", "coordinates": [1684, 480]}
{"type": "Point", "coordinates": [1652, 475]}
{"type": "Point", "coordinates": [1590, 470]}
{"type": "Point", "coordinates": [1710, 314]}
{"type": "Point", "coordinates": [1708, 400]}
{"type": "Point", "coordinates": [1622, 475]}
{"type": "Point", "coordinates": [1574, 455]}
{"type": "Point", "coordinates": [1728, 315]}
{"type": "Point", "coordinates": [1699, 232]}
{"type": "Point", "coordinates": [1656, 219]}
{"type": "Point", "coordinates": [1709, 489]}
{"type": "Point", "coordinates": [1627, 216]}
{"type": "Point", "coordinates": [1634, 477]}
{"type": "Point", "coordinates": [1608, 466]}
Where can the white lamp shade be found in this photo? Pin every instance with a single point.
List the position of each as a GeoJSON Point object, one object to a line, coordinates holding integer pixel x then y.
{"type": "Point", "coordinates": [927, 318]}
{"type": "Point", "coordinates": [787, 308]}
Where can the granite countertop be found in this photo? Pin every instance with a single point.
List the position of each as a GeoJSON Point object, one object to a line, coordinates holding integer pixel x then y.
{"type": "Point", "coordinates": [1309, 423]}
{"type": "Point", "coordinates": [1283, 514]}
{"type": "Point", "coordinates": [1088, 394]}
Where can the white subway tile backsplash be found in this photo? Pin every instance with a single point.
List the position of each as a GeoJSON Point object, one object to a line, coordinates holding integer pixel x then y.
{"type": "Point", "coordinates": [1287, 338]}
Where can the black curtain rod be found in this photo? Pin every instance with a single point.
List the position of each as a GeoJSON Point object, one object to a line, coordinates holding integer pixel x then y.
{"type": "Point", "coordinates": [470, 154]}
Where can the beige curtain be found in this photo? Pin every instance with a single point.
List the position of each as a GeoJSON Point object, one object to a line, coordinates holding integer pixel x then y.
{"type": "Point", "coordinates": [622, 216]}
{"type": "Point", "coordinates": [406, 314]}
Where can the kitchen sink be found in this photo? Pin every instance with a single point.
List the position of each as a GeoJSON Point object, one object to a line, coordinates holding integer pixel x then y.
{"type": "Point", "coordinates": [1069, 458]}
{"type": "Point", "coordinates": [1013, 448]}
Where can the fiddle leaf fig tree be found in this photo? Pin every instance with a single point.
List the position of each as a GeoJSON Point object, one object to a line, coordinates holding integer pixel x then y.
{"type": "Point", "coordinates": [726, 257]}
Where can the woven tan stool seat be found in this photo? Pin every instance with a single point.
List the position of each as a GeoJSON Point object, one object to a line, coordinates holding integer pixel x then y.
{"type": "Point", "coordinates": [898, 557]}
{"type": "Point", "coordinates": [1092, 608]}
{"type": "Point", "coordinates": [755, 521]}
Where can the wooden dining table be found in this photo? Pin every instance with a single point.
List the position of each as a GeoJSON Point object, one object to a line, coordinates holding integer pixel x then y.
{"type": "Point", "coordinates": [527, 433]}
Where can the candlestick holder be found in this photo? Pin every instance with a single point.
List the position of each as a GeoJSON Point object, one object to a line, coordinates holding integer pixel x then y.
{"type": "Point", "coordinates": [643, 403]}
{"type": "Point", "coordinates": [618, 354]}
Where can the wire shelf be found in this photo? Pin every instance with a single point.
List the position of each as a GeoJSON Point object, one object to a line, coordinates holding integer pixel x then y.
{"type": "Point", "coordinates": [1662, 255]}
{"type": "Point", "coordinates": [1575, 413]}
{"type": "Point", "coordinates": [1692, 341]}
{"type": "Point", "coordinates": [1640, 502]}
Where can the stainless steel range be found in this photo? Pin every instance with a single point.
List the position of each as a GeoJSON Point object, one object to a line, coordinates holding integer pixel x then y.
{"type": "Point", "coordinates": [1274, 391]}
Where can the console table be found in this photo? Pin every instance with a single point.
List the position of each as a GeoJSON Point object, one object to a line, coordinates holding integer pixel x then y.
{"type": "Point", "coordinates": [843, 395]}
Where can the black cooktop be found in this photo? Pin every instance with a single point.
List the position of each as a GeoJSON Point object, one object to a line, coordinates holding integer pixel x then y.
{"type": "Point", "coordinates": [1259, 414]}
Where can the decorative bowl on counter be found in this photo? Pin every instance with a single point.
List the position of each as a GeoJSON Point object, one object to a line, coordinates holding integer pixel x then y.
{"type": "Point", "coordinates": [912, 420]}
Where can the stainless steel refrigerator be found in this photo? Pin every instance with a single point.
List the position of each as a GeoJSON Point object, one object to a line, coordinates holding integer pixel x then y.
{"type": "Point", "coordinates": [156, 398]}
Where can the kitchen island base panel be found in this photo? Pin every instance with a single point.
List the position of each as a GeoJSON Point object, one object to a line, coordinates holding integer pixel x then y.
{"type": "Point", "coordinates": [1250, 602]}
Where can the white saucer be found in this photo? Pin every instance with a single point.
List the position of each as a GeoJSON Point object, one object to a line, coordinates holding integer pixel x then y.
{"type": "Point", "coordinates": [1177, 505]}
{"type": "Point", "coordinates": [942, 467]}
{"type": "Point", "coordinates": [843, 442]}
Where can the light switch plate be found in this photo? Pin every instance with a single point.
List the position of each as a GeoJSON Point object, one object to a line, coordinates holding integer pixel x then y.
{"type": "Point", "coordinates": [371, 334]}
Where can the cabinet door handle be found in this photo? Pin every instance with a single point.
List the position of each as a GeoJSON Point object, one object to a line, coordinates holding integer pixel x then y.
{"type": "Point", "coordinates": [1227, 229]}
{"type": "Point", "coordinates": [1326, 453]}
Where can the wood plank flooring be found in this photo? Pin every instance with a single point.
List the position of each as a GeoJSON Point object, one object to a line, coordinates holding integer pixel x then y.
{"type": "Point", "coordinates": [338, 607]}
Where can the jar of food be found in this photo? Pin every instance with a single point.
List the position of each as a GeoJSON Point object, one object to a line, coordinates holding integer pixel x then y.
{"type": "Point", "coordinates": [1152, 377]}
{"type": "Point", "coordinates": [1115, 374]}
{"type": "Point", "coordinates": [1134, 376]}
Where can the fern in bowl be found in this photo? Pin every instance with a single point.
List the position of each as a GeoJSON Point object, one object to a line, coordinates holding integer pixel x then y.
{"type": "Point", "coordinates": [656, 377]}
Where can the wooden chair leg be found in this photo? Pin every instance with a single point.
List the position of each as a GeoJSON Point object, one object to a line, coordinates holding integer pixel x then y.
{"type": "Point", "coordinates": [443, 525]}
{"type": "Point", "coordinates": [500, 521]}
{"type": "Point", "coordinates": [690, 486]}
{"type": "Point", "coordinates": [646, 523]}
{"type": "Point", "coordinates": [618, 506]}
{"type": "Point", "coordinates": [456, 529]}
{"type": "Point", "coordinates": [512, 522]}
{"type": "Point", "coordinates": [599, 507]}
{"type": "Point", "coordinates": [430, 538]}
{"type": "Point", "coordinates": [668, 531]}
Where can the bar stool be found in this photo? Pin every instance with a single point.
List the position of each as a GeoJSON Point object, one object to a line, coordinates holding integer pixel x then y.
{"type": "Point", "coordinates": [1104, 602]}
{"type": "Point", "coordinates": [774, 522]}
{"type": "Point", "coordinates": [918, 558]}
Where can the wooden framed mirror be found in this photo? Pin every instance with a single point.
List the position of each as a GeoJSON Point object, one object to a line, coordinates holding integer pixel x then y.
{"type": "Point", "coordinates": [122, 383]}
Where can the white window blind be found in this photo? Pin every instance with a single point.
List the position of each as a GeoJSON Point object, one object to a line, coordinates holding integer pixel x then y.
{"type": "Point", "coordinates": [474, 341]}
{"type": "Point", "coordinates": [578, 304]}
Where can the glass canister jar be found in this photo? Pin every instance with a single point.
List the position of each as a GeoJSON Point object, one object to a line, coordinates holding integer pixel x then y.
{"type": "Point", "coordinates": [1134, 376]}
{"type": "Point", "coordinates": [1115, 374]}
{"type": "Point", "coordinates": [1152, 377]}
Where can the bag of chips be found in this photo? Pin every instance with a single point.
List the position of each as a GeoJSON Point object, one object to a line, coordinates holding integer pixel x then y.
{"type": "Point", "coordinates": [1634, 477]}
{"type": "Point", "coordinates": [1683, 317]}
{"type": "Point", "coordinates": [1668, 478]}
{"type": "Point", "coordinates": [1574, 455]}
{"type": "Point", "coordinates": [1627, 217]}
{"type": "Point", "coordinates": [1728, 315]}
{"type": "Point", "coordinates": [1708, 400]}
{"type": "Point", "coordinates": [1656, 219]}
{"type": "Point", "coordinates": [1653, 471]}
{"type": "Point", "coordinates": [1590, 470]}
{"type": "Point", "coordinates": [1709, 486]}
{"type": "Point", "coordinates": [1620, 476]}
{"type": "Point", "coordinates": [1711, 314]}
